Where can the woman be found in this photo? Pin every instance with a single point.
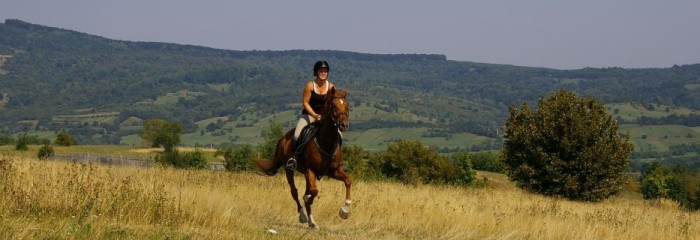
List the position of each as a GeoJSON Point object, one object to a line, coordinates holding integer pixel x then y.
{"type": "Point", "coordinates": [312, 101]}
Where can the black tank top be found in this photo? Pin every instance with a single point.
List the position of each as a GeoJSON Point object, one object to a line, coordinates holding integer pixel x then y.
{"type": "Point", "coordinates": [316, 100]}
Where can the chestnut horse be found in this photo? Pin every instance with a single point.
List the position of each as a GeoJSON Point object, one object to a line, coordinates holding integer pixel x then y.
{"type": "Point", "coordinates": [320, 156]}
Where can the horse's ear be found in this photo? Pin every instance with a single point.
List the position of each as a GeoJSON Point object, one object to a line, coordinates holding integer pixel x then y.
{"type": "Point", "coordinates": [341, 93]}
{"type": "Point", "coordinates": [332, 90]}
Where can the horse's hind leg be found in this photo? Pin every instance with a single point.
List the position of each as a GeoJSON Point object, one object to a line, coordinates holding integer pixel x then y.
{"type": "Point", "coordinates": [295, 196]}
{"type": "Point", "coordinates": [340, 175]}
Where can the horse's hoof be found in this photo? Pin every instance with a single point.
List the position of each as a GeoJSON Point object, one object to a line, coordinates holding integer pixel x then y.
{"type": "Point", "coordinates": [313, 226]}
{"type": "Point", "coordinates": [344, 213]}
{"type": "Point", "coordinates": [303, 219]}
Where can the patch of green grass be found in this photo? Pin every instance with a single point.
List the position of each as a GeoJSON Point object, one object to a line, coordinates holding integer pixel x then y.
{"type": "Point", "coordinates": [220, 87]}
{"type": "Point", "coordinates": [377, 139]}
{"type": "Point", "coordinates": [632, 111]}
{"type": "Point", "coordinates": [131, 123]}
{"type": "Point", "coordinates": [660, 137]}
{"type": "Point", "coordinates": [173, 98]}
{"type": "Point", "coordinates": [203, 123]}
{"type": "Point", "coordinates": [692, 86]}
{"type": "Point", "coordinates": [364, 113]}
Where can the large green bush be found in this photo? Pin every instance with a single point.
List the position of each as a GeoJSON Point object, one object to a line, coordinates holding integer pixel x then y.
{"type": "Point", "coordinates": [679, 184]}
{"type": "Point", "coordinates": [45, 151]}
{"type": "Point", "coordinates": [411, 162]}
{"type": "Point", "coordinates": [568, 147]}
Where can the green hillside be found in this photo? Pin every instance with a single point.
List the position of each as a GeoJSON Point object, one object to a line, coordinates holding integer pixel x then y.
{"type": "Point", "coordinates": [99, 90]}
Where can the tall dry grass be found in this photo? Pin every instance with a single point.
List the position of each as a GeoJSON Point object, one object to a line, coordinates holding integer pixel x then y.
{"type": "Point", "coordinates": [43, 199]}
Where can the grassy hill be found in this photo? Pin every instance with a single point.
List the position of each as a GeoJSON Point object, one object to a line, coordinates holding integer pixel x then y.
{"type": "Point", "coordinates": [48, 199]}
{"type": "Point", "coordinates": [99, 89]}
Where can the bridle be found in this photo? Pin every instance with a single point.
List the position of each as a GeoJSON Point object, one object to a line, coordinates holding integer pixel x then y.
{"type": "Point", "coordinates": [336, 121]}
{"type": "Point", "coordinates": [337, 124]}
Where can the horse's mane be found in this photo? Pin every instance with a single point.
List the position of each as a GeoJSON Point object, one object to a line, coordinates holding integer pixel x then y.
{"type": "Point", "coordinates": [333, 94]}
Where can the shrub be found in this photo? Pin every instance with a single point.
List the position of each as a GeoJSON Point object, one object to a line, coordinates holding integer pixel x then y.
{"type": "Point", "coordinates": [22, 143]}
{"type": "Point", "coordinates": [238, 159]}
{"type": "Point", "coordinates": [568, 147]}
{"type": "Point", "coordinates": [411, 162]}
{"type": "Point", "coordinates": [465, 174]}
{"type": "Point", "coordinates": [176, 159]}
{"type": "Point", "coordinates": [6, 139]}
{"type": "Point", "coordinates": [45, 151]}
{"type": "Point", "coordinates": [356, 163]}
{"type": "Point", "coordinates": [656, 181]}
{"type": "Point", "coordinates": [488, 161]}
{"type": "Point", "coordinates": [680, 185]}
{"type": "Point", "coordinates": [63, 139]}
{"type": "Point", "coordinates": [271, 136]}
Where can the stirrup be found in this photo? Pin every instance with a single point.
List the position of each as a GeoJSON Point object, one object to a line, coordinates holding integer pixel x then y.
{"type": "Point", "coordinates": [291, 164]}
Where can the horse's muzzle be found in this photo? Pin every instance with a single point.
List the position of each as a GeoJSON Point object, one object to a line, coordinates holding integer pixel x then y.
{"type": "Point", "coordinates": [343, 127]}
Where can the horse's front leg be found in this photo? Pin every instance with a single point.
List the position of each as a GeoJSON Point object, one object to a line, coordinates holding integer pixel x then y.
{"type": "Point", "coordinates": [295, 195]}
{"type": "Point", "coordinates": [340, 175]}
{"type": "Point", "coordinates": [310, 195]}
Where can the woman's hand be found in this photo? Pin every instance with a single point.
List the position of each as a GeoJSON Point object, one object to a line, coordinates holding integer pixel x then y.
{"type": "Point", "coordinates": [318, 117]}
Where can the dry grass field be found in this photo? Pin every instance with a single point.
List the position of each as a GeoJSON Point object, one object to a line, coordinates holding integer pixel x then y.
{"type": "Point", "coordinates": [58, 200]}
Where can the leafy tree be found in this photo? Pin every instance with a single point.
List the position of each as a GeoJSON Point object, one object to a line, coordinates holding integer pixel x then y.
{"type": "Point", "coordinates": [158, 132]}
{"type": "Point", "coordinates": [463, 165]}
{"type": "Point", "coordinates": [271, 136]}
{"type": "Point", "coordinates": [679, 184]}
{"type": "Point", "coordinates": [685, 188]}
{"type": "Point", "coordinates": [488, 161]}
{"type": "Point", "coordinates": [568, 147]}
{"type": "Point", "coordinates": [22, 143]}
{"type": "Point", "coordinates": [238, 159]}
{"type": "Point", "coordinates": [656, 181]}
{"type": "Point", "coordinates": [63, 139]}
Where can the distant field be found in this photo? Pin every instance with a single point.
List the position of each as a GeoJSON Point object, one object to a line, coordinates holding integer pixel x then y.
{"type": "Point", "coordinates": [629, 111]}
{"type": "Point", "coordinates": [246, 129]}
{"type": "Point", "coordinates": [659, 138]}
{"type": "Point", "coordinates": [375, 139]}
{"type": "Point", "coordinates": [101, 117]}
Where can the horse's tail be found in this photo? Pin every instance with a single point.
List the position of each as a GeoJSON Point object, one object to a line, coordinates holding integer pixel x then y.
{"type": "Point", "coordinates": [267, 167]}
{"type": "Point", "coordinates": [271, 167]}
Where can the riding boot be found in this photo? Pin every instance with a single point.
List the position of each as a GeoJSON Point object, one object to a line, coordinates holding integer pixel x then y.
{"type": "Point", "coordinates": [292, 162]}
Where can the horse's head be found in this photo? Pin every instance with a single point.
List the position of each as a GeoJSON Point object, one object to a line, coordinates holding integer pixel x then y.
{"type": "Point", "coordinates": [336, 109]}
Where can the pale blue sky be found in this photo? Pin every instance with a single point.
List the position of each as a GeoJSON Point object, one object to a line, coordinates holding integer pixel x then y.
{"type": "Point", "coordinates": [540, 33]}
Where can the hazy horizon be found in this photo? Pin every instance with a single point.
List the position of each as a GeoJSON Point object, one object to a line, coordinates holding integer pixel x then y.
{"type": "Point", "coordinates": [540, 33]}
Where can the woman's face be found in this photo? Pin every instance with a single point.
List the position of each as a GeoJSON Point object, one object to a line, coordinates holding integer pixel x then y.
{"type": "Point", "coordinates": [322, 74]}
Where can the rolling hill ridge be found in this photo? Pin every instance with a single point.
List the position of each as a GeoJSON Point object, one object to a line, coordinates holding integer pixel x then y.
{"type": "Point", "coordinates": [49, 74]}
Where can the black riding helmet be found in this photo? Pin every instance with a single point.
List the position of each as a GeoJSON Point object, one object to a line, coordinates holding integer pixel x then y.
{"type": "Point", "coordinates": [319, 65]}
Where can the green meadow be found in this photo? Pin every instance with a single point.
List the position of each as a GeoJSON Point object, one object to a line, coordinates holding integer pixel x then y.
{"type": "Point", "coordinates": [247, 128]}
